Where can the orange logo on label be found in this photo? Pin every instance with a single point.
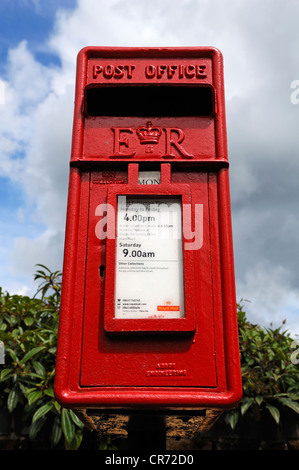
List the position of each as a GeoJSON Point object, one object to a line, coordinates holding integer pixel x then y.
{"type": "Point", "coordinates": [168, 308]}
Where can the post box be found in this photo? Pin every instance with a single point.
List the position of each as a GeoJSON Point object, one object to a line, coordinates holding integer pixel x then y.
{"type": "Point", "coordinates": [148, 309]}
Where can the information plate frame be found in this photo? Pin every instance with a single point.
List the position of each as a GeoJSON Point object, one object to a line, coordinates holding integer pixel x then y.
{"type": "Point", "coordinates": [187, 324]}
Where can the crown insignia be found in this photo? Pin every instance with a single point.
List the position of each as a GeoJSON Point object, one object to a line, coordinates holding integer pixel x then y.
{"type": "Point", "coordinates": [148, 134]}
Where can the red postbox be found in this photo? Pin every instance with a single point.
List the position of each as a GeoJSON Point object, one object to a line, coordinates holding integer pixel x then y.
{"type": "Point", "coordinates": [148, 310]}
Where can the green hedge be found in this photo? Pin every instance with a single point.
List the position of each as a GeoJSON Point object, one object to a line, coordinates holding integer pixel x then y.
{"type": "Point", "coordinates": [270, 370]}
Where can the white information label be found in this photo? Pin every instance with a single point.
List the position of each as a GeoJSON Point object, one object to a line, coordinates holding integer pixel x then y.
{"type": "Point", "coordinates": [149, 258]}
{"type": "Point", "coordinates": [149, 177]}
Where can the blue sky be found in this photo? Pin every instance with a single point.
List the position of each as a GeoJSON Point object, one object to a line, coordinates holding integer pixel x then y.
{"type": "Point", "coordinates": [39, 42]}
{"type": "Point", "coordinates": [30, 20]}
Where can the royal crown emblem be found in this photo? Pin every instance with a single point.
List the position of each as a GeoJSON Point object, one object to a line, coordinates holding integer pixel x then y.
{"type": "Point", "coordinates": [148, 134]}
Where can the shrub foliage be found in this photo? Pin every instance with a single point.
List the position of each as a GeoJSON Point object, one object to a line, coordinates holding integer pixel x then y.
{"type": "Point", "coordinates": [28, 329]}
{"type": "Point", "coordinates": [270, 370]}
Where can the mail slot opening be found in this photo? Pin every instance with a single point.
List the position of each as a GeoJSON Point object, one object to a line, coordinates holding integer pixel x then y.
{"type": "Point", "coordinates": [146, 101]}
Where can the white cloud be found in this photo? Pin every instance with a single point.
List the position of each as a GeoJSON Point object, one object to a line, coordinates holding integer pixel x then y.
{"type": "Point", "coordinates": [47, 248]}
{"type": "Point", "coordinates": [35, 143]}
{"type": "Point", "coordinates": [268, 299]}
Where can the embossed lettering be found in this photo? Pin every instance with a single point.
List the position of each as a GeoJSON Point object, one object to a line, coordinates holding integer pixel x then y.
{"type": "Point", "coordinates": [96, 70]}
{"type": "Point", "coordinates": [190, 71]}
{"type": "Point", "coordinates": [149, 135]}
{"type": "Point", "coordinates": [150, 71]}
{"type": "Point", "coordinates": [119, 71]}
{"type": "Point", "coordinates": [166, 373]}
{"type": "Point", "coordinates": [181, 71]}
{"type": "Point", "coordinates": [170, 142]}
{"type": "Point", "coordinates": [129, 69]}
{"type": "Point", "coordinates": [171, 69]}
{"type": "Point", "coordinates": [160, 70]}
{"type": "Point", "coordinates": [108, 71]}
{"type": "Point", "coordinates": [165, 365]}
{"type": "Point", "coordinates": [113, 71]}
{"type": "Point", "coordinates": [118, 141]}
{"type": "Point", "coordinates": [201, 71]}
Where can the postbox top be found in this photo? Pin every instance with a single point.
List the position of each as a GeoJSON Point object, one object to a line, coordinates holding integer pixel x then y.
{"type": "Point", "coordinates": [177, 91]}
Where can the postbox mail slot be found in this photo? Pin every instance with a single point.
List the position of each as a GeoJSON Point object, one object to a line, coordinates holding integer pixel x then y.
{"type": "Point", "coordinates": [149, 100]}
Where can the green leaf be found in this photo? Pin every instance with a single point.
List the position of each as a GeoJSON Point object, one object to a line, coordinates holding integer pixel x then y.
{"type": "Point", "coordinates": [23, 388]}
{"type": "Point", "coordinates": [76, 420]}
{"type": "Point", "coordinates": [13, 399]}
{"type": "Point", "coordinates": [274, 412]}
{"type": "Point", "coordinates": [103, 445]}
{"type": "Point", "coordinates": [56, 431]}
{"type": "Point", "coordinates": [36, 427]}
{"type": "Point", "coordinates": [31, 353]}
{"type": "Point", "coordinates": [259, 400]}
{"type": "Point", "coordinates": [39, 369]}
{"type": "Point", "coordinates": [33, 396]}
{"type": "Point", "coordinates": [246, 405]}
{"type": "Point", "coordinates": [29, 321]}
{"type": "Point", "coordinates": [75, 442]}
{"type": "Point", "coordinates": [5, 374]}
{"type": "Point", "coordinates": [290, 403]}
{"type": "Point", "coordinates": [57, 406]}
{"type": "Point", "coordinates": [42, 411]}
{"type": "Point", "coordinates": [12, 354]}
{"type": "Point", "coordinates": [233, 418]}
{"type": "Point", "coordinates": [67, 425]}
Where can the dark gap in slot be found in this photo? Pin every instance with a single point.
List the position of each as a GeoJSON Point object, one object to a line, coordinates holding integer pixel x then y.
{"type": "Point", "coordinates": [102, 270]}
{"type": "Point", "coordinates": [149, 100]}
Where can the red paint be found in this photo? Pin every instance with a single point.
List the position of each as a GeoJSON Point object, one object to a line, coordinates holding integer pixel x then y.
{"type": "Point", "coordinates": [190, 362]}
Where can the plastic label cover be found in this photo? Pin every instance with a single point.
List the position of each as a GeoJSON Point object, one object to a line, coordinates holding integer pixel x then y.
{"type": "Point", "coordinates": [149, 258]}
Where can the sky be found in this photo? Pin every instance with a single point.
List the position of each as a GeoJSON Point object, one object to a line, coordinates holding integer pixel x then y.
{"type": "Point", "coordinates": [259, 40]}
